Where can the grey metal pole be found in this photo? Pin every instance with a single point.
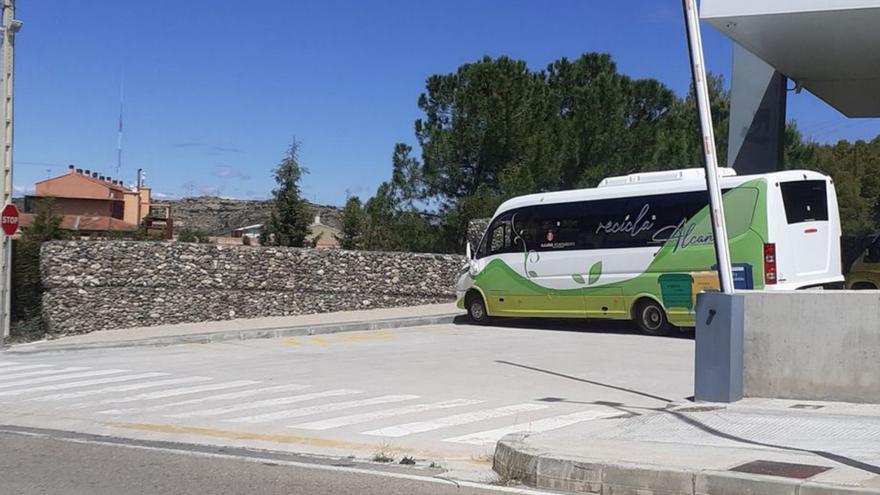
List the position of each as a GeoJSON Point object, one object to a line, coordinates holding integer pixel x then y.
{"type": "Point", "coordinates": [701, 90]}
{"type": "Point", "coordinates": [7, 64]}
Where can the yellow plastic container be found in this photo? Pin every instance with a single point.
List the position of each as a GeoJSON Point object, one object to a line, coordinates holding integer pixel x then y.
{"type": "Point", "coordinates": [704, 281]}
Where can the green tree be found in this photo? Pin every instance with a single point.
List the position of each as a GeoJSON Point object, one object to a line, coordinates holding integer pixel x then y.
{"type": "Point", "coordinates": [395, 220]}
{"type": "Point", "coordinates": [290, 218]}
{"type": "Point", "coordinates": [494, 129]}
{"type": "Point", "coordinates": [27, 287]}
{"type": "Point", "coordinates": [47, 223]}
{"type": "Point", "coordinates": [353, 224]}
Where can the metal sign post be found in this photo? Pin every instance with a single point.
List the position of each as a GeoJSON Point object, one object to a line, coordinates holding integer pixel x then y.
{"type": "Point", "coordinates": [9, 27]}
{"type": "Point", "coordinates": [701, 90]}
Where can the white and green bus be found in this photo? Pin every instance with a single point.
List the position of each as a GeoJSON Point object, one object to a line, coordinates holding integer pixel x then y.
{"type": "Point", "coordinates": [640, 247]}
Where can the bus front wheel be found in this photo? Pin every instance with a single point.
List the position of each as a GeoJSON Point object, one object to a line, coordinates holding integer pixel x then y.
{"type": "Point", "coordinates": [651, 318]}
{"type": "Point", "coordinates": [476, 308]}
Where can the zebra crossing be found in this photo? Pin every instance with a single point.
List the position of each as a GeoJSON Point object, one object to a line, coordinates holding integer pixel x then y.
{"type": "Point", "coordinates": [162, 397]}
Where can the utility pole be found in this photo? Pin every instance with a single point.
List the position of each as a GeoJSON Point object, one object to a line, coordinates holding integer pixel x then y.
{"type": "Point", "coordinates": [10, 26]}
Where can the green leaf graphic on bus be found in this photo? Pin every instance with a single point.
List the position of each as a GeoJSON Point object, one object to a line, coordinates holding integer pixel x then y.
{"type": "Point", "coordinates": [533, 273]}
{"type": "Point", "coordinates": [577, 278]}
{"type": "Point", "coordinates": [595, 272]}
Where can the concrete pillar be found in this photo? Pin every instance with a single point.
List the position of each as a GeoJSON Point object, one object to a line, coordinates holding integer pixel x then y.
{"type": "Point", "coordinates": [718, 373]}
{"type": "Point", "coordinates": [757, 115]}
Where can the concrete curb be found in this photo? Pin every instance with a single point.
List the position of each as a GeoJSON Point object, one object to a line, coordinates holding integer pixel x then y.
{"type": "Point", "coordinates": [515, 460]}
{"type": "Point", "coordinates": [229, 335]}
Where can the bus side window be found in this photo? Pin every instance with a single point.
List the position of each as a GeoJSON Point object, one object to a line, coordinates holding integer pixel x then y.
{"type": "Point", "coordinates": [498, 238]}
{"type": "Point", "coordinates": [524, 230]}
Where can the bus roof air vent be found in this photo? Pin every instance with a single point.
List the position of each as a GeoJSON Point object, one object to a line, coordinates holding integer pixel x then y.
{"type": "Point", "coordinates": [663, 176]}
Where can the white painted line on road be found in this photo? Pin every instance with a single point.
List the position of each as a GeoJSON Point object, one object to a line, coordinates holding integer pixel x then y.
{"type": "Point", "coordinates": [266, 403]}
{"type": "Point", "coordinates": [353, 419]}
{"type": "Point", "coordinates": [121, 388]}
{"type": "Point", "coordinates": [174, 392]}
{"type": "Point", "coordinates": [59, 378]}
{"type": "Point", "coordinates": [7, 363]}
{"type": "Point", "coordinates": [458, 419]}
{"type": "Point", "coordinates": [323, 408]}
{"type": "Point", "coordinates": [42, 372]}
{"type": "Point", "coordinates": [24, 367]}
{"type": "Point", "coordinates": [210, 398]}
{"type": "Point", "coordinates": [439, 480]}
{"type": "Point", "coordinates": [84, 383]}
{"type": "Point", "coordinates": [541, 425]}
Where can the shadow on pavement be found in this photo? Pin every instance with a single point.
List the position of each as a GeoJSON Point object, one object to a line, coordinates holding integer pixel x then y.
{"type": "Point", "coordinates": [616, 327]}
{"type": "Point", "coordinates": [685, 418]}
{"type": "Point", "coordinates": [584, 380]}
{"type": "Point", "coordinates": [847, 461]}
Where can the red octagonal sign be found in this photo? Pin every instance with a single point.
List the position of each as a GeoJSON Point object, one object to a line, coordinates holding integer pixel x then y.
{"type": "Point", "coordinates": [10, 219]}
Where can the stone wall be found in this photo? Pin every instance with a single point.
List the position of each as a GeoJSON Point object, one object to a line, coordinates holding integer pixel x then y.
{"type": "Point", "coordinates": [91, 285]}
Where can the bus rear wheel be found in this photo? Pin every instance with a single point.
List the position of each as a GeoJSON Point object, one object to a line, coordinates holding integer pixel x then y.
{"type": "Point", "coordinates": [476, 308]}
{"type": "Point", "coordinates": [651, 318]}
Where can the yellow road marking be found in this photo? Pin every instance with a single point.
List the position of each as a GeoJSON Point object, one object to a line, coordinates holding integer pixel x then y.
{"type": "Point", "coordinates": [323, 340]}
{"type": "Point", "coordinates": [287, 439]}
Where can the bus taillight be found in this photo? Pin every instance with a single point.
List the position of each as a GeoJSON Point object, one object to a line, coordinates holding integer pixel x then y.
{"type": "Point", "coordinates": [769, 264]}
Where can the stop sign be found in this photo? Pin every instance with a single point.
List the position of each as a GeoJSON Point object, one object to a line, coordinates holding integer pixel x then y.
{"type": "Point", "coordinates": [10, 219]}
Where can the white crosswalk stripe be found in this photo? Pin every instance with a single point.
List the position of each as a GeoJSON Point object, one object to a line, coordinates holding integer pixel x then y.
{"type": "Point", "coordinates": [84, 383]}
{"type": "Point", "coordinates": [48, 372]}
{"type": "Point", "coordinates": [60, 377]}
{"type": "Point", "coordinates": [174, 392]}
{"type": "Point", "coordinates": [120, 388]}
{"type": "Point", "coordinates": [323, 408]}
{"type": "Point", "coordinates": [24, 367]}
{"type": "Point", "coordinates": [541, 425]}
{"type": "Point", "coordinates": [211, 398]}
{"type": "Point", "coordinates": [458, 419]}
{"type": "Point", "coordinates": [353, 419]}
{"type": "Point", "coordinates": [7, 363]}
{"type": "Point", "coordinates": [265, 403]}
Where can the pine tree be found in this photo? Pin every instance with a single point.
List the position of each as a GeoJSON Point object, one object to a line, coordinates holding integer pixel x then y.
{"type": "Point", "coordinates": [289, 221]}
{"type": "Point", "coordinates": [352, 233]}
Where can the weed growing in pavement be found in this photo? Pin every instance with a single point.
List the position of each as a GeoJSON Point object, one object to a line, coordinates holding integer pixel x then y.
{"type": "Point", "coordinates": [407, 460]}
{"type": "Point", "coordinates": [381, 457]}
{"type": "Point", "coordinates": [383, 454]}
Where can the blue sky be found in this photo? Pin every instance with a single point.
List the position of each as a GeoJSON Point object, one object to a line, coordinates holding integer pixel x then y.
{"type": "Point", "coordinates": [215, 89]}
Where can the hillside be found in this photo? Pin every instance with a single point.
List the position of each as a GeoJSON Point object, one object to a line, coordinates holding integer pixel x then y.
{"type": "Point", "coordinates": [219, 216]}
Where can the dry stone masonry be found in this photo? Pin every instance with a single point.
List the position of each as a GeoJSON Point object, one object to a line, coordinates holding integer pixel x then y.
{"type": "Point", "coordinates": [92, 285]}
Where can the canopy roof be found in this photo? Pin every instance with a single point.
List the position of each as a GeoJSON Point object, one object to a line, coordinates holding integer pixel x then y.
{"type": "Point", "coordinates": [830, 47]}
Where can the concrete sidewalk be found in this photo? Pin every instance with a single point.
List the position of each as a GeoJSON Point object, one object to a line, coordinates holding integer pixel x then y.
{"type": "Point", "coordinates": [256, 328]}
{"type": "Point", "coordinates": [706, 449]}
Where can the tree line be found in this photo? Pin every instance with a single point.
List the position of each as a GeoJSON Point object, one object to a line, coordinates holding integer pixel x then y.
{"type": "Point", "coordinates": [495, 129]}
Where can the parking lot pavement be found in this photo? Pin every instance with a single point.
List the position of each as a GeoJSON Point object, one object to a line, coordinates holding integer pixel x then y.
{"type": "Point", "coordinates": [443, 393]}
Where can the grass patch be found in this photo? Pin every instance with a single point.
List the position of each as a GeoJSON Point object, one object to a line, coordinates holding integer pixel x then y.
{"type": "Point", "coordinates": [407, 461]}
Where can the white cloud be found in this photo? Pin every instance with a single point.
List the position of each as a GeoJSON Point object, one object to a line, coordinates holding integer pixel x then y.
{"type": "Point", "coordinates": [22, 190]}
{"type": "Point", "coordinates": [229, 172]}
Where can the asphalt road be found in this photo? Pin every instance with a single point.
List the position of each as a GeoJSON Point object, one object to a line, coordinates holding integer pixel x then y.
{"type": "Point", "coordinates": [440, 394]}
{"type": "Point", "coordinates": [46, 465]}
